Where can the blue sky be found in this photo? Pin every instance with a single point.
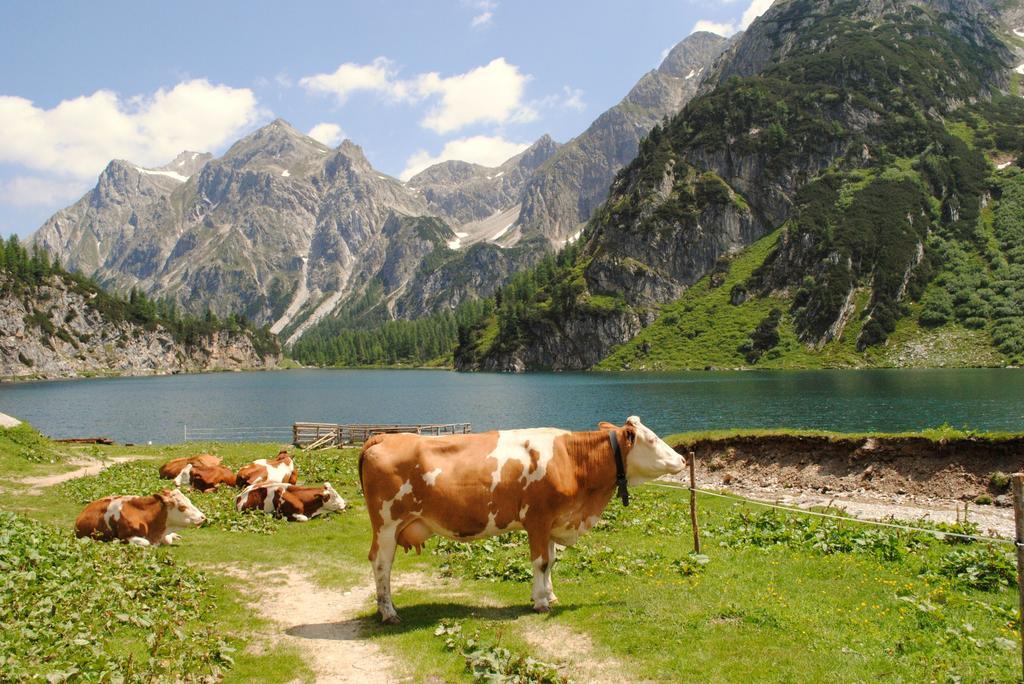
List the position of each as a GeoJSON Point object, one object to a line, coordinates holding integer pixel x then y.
{"type": "Point", "coordinates": [411, 82]}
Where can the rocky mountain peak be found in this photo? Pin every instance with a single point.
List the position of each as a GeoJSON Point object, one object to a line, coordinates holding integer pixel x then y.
{"type": "Point", "coordinates": [689, 56]}
{"type": "Point", "coordinates": [535, 155]}
{"type": "Point", "coordinates": [277, 145]}
{"type": "Point", "coordinates": [187, 163]}
{"type": "Point", "coordinates": [355, 154]}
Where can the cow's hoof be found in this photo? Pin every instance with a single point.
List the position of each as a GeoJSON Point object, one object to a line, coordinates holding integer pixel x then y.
{"type": "Point", "coordinates": [541, 608]}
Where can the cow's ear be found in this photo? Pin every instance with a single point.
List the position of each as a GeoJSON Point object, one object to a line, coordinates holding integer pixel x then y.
{"type": "Point", "coordinates": [605, 425]}
{"type": "Point", "coordinates": [630, 435]}
{"type": "Point", "coordinates": [325, 495]}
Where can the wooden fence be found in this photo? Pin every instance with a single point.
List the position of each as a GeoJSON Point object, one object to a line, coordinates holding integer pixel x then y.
{"type": "Point", "coordinates": [326, 435]}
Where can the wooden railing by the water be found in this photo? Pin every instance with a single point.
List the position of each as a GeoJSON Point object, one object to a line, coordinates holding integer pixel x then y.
{"type": "Point", "coordinates": [326, 435]}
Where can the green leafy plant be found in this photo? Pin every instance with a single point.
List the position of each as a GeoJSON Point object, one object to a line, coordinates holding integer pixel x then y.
{"type": "Point", "coordinates": [693, 564]}
{"type": "Point", "coordinates": [986, 568]}
{"type": "Point", "coordinates": [487, 662]}
{"type": "Point", "coordinates": [25, 441]}
{"type": "Point", "coordinates": [80, 610]}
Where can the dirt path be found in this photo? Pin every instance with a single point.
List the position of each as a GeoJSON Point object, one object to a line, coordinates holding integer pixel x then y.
{"type": "Point", "coordinates": [990, 519]}
{"type": "Point", "coordinates": [85, 468]}
{"type": "Point", "coordinates": [324, 624]}
{"type": "Point", "coordinates": [555, 641]}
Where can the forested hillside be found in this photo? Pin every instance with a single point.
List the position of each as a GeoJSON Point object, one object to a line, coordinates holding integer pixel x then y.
{"type": "Point", "coordinates": [862, 139]}
{"type": "Point", "coordinates": [427, 341]}
{"type": "Point", "coordinates": [56, 324]}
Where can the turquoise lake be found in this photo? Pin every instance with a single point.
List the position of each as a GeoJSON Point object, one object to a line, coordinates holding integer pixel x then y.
{"type": "Point", "coordinates": [264, 404]}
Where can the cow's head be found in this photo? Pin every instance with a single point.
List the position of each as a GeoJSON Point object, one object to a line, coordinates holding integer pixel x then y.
{"type": "Point", "coordinates": [332, 500]}
{"type": "Point", "coordinates": [648, 456]}
{"type": "Point", "coordinates": [184, 477]}
{"type": "Point", "coordinates": [180, 511]}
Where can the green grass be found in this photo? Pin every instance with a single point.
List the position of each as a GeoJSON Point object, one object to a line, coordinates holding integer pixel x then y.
{"type": "Point", "coordinates": [756, 611]}
{"type": "Point", "coordinates": [942, 433]}
{"type": "Point", "coordinates": [704, 330]}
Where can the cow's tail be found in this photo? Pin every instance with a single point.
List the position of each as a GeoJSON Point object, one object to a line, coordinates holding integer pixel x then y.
{"type": "Point", "coordinates": [372, 441]}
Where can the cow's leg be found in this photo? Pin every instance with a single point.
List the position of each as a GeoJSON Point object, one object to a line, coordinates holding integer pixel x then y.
{"type": "Point", "coordinates": [547, 575]}
{"type": "Point", "coordinates": [171, 538]}
{"type": "Point", "coordinates": [298, 517]}
{"type": "Point", "coordinates": [138, 541]}
{"type": "Point", "coordinates": [382, 555]}
{"type": "Point", "coordinates": [541, 548]}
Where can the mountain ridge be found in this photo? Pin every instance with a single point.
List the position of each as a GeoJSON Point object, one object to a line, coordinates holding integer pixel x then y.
{"type": "Point", "coordinates": [286, 230]}
{"type": "Point", "coordinates": [890, 103]}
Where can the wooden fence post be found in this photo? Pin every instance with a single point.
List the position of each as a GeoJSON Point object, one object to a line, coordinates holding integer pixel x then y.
{"type": "Point", "coordinates": [1018, 518]}
{"type": "Point", "coordinates": [691, 457]}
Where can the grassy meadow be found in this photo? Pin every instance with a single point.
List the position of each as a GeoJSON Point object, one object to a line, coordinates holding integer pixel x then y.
{"type": "Point", "coordinates": [774, 597]}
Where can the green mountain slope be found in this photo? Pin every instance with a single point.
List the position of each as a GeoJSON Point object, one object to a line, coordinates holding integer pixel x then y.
{"type": "Point", "coordinates": [860, 137]}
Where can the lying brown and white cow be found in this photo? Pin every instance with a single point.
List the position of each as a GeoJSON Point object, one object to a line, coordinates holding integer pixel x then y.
{"type": "Point", "coordinates": [173, 468]}
{"type": "Point", "coordinates": [552, 483]}
{"type": "Point", "coordinates": [281, 468]}
{"type": "Point", "coordinates": [141, 520]}
{"type": "Point", "coordinates": [205, 478]}
{"type": "Point", "coordinates": [297, 504]}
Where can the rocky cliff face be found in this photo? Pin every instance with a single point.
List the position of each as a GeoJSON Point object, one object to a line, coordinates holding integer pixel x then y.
{"type": "Point", "coordinates": [55, 332]}
{"type": "Point", "coordinates": [567, 189]}
{"type": "Point", "coordinates": [286, 230]}
{"type": "Point", "coordinates": [813, 86]}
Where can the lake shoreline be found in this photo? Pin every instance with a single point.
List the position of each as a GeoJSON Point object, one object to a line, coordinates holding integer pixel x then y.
{"type": "Point", "coordinates": [244, 406]}
{"type": "Point", "coordinates": [36, 378]}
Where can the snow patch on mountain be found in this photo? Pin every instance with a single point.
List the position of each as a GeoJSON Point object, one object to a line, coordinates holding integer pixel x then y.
{"type": "Point", "coordinates": [170, 174]}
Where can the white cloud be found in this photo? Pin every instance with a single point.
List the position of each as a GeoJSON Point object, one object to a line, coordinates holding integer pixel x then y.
{"type": "Point", "coordinates": [756, 9]}
{"type": "Point", "coordinates": [484, 9]}
{"type": "Point", "coordinates": [78, 137]}
{"type": "Point", "coordinates": [27, 191]}
{"type": "Point", "coordinates": [379, 76]}
{"type": "Point", "coordinates": [327, 133]}
{"type": "Point", "coordinates": [569, 98]}
{"type": "Point", "coordinates": [573, 99]}
{"type": "Point", "coordinates": [721, 28]}
{"type": "Point", "coordinates": [753, 11]}
{"type": "Point", "coordinates": [492, 93]}
{"type": "Point", "coordinates": [478, 149]}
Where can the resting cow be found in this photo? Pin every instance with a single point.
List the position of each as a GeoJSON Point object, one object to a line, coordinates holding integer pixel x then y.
{"type": "Point", "coordinates": [141, 520]}
{"type": "Point", "coordinates": [297, 504]}
{"type": "Point", "coordinates": [205, 478]}
{"type": "Point", "coordinates": [172, 469]}
{"type": "Point", "coordinates": [552, 483]}
{"type": "Point", "coordinates": [281, 468]}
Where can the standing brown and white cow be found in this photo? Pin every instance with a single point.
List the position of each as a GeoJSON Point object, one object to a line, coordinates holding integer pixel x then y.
{"type": "Point", "coordinates": [552, 483]}
{"type": "Point", "coordinates": [140, 520]}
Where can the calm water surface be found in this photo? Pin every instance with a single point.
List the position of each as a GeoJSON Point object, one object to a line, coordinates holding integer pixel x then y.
{"type": "Point", "coordinates": [220, 405]}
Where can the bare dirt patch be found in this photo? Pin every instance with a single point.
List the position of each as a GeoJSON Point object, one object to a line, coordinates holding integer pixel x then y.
{"type": "Point", "coordinates": [874, 478]}
{"type": "Point", "coordinates": [324, 624]}
{"type": "Point", "coordinates": [85, 467]}
{"type": "Point", "coordinates": [554, 641]}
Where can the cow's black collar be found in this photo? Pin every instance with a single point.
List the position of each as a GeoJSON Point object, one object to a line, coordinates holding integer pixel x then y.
{"type": "Point", "coordinates": [620, 467]}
